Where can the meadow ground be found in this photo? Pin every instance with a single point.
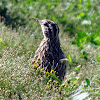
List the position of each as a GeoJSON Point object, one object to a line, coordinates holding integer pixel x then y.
{"type": "Point", "coordinates": [20, 36]}
{"type": "Point", "coordinates": [20, 79]}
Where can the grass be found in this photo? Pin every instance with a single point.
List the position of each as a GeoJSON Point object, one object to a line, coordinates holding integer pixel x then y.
{"type": "Point", "coordinates": [20, 36]}
{"type": "Point", "coordinates": [19, 79]}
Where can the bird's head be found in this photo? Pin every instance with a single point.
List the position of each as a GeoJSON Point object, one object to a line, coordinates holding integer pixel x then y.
{"type": "Point", "coordinates": [49, 28]}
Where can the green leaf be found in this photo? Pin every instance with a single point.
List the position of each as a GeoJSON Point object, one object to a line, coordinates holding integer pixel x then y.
{"type": "Point", "coordinates": [78, 67]}
{"type": "Point", "coordinates": [53, 18]}
{"type": "Point", "coordinates": [98, 58]}
{"type": "Point", "coordinates": [79, 5]}
{"type": "Point", "coordinates": [95, 38]}
{"type": "Point", "coordinates": [0, 39]}
{"type": "Point", "coordinates": [49, 5]}
{"type": "Point", "coordinates": [69, 58]}
{"type": "Point", "coordinates": [54, 77]}
{"type": "Point", "coordinates": [95, 93]}
{"type": "Point", "coordinates": [97, 42]}
{"type": "Point", "coordinates": [58, 98]}
{"type": "Point", "coordinates": [88, 83]}
{"type": "Point", "coordinates": [81, 14]}
{"type": "Point", "coordinates": [85, 54]}
{"type": "Point", "coordinates": [81, 34]}
{"type": "Point", "coordinates": [64, 59]}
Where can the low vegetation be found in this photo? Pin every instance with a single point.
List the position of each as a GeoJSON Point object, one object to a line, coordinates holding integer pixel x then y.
{"type": "Point", "coordinates": [21, 78]}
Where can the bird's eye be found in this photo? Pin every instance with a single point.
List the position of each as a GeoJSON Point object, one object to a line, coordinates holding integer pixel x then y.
{"type": "Point", "coordinates": [46, 24]}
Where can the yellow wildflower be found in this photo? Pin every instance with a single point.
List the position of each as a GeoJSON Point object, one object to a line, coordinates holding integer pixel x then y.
{"type": "Point", "coordinates": [50, 81]}
{"type": "Point", "coordinates": [51, 85]}
{"type": "Point", "coordinates": [57, 82]}
{"type": "Point", "coordinates": [47, 86]}
{"type": "Point", "coordinates": [42, 70]}
{"type": "Point", "coordinates": [52, 71]}
{"type": "Point", "coordinates": [64, 85]}
{"type": "Point", "coordinates": [38, 58]}
{"type": "Point", "coordinates": [46, 72]}
{"type": "Point", "coordinates": [33, 61]}
{"type": "Point", "coordinates": [31, 69]}
{"type": "Point", "coordinates": [35, 66]}
{"type": "Point", "coordinates": [57, 87]}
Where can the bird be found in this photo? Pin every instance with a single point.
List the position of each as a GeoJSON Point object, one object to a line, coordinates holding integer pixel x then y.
{"type": "Point", "coordinates": [49, 51]}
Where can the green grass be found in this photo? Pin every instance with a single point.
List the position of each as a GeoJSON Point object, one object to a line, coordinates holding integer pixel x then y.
{"type": "Point", "coordinates": [19, 79]}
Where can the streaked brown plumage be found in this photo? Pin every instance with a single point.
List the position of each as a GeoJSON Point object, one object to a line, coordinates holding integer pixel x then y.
{"type": "Point", "coordinates": [49, 51]}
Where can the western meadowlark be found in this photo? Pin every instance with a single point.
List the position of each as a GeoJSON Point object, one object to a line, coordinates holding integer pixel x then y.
{"type": "Point", "coordinates": [49, 51]}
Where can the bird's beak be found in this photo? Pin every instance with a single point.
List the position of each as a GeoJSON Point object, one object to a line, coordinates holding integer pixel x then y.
{"type": "Point", "coordinates": [38, 20]}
